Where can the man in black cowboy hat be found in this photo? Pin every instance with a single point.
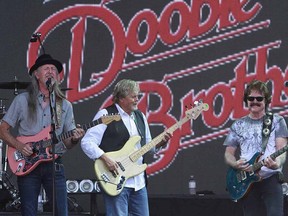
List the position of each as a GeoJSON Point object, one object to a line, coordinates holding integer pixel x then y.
{"type": "Point", "coordinates": [30, 114]}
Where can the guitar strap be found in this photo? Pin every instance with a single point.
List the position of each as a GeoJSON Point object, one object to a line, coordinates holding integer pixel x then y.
{"type": "Point", "coordinates": [267, 124]}
{"type": "Point", "coordinates": [137, 116]}
{"type": "Point", "coordinates": [266, 129]}
{"type": "Point", "coordinates": [58, 112]}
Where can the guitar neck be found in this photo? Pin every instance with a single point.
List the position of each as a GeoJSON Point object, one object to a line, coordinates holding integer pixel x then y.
{"type": "Point", "coordinates": [107, 119]}
{"type": "Point", "coordinates": [85, 127]}
{"type": "Point", "coordinates": [61, 137]}
{"type": "Point", "coordinates": [144, 149]}
{"type": "Point", "coordinates": [258, 165]}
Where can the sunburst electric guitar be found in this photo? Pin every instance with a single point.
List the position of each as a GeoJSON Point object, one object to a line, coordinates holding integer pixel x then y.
{"type": "Point", "coordinates": [238, 182]}
{"type": "Point", "coordinates": [41, 144]}
{"type": "Point", "coordinates": [127, 157]}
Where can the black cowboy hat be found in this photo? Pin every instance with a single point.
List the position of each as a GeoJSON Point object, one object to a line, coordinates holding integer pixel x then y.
{"type": "Point", "coordinates": [45, 59]}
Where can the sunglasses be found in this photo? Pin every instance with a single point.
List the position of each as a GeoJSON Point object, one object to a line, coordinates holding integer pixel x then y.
{"type": "Point", "coordinates": [259, 99]}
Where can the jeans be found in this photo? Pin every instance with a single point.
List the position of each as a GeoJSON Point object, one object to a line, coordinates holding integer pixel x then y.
{"type": "Point", "coordinates": [266, 194]}
{"type": "Point", "coordinates": [30, 185]}
{"type": "Point", "coordinates": [128, 202]}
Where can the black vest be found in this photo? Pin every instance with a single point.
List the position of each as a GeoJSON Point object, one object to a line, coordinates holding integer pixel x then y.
{"type": "Point", "coordinates": [116, 134]}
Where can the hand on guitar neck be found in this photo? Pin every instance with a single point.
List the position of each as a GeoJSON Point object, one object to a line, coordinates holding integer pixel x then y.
{"type": "Point", "coordinates": [77, 134]}
{"type": "Point", "coordinates": [164, 141]}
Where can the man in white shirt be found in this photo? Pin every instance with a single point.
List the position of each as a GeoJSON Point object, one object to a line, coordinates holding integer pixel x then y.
{"type": "Point", "coordinates": [133, 199]}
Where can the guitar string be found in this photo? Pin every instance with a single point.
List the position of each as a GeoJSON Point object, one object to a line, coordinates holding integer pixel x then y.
{"type": "Point", "coordinates": [126, 161]}
{"type": "Point", "coordinates": [177, 125]}
{"type": "Point", "coordinates": [47, 143]}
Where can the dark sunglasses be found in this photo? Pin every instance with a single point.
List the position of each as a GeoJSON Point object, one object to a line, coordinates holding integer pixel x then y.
{"type": "Point", "coordinates": [259, 99]}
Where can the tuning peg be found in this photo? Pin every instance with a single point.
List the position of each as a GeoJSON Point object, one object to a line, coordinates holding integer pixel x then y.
{"type": "Point", "coordinates": [196, 103]}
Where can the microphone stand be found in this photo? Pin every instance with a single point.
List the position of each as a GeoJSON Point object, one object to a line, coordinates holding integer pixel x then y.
{"type": "Point", "coordinates": [54, 141]}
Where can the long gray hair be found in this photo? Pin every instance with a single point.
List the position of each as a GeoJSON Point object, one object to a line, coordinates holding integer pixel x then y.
{"type": "Point", "coordinates": [33, 91]}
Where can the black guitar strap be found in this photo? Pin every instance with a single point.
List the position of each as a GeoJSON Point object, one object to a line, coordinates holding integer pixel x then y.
{"type": "Point", "coordinates": [266, 129]}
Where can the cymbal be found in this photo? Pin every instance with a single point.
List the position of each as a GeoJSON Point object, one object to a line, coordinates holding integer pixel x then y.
{"type": "Point", "coordinates": [14, 85]}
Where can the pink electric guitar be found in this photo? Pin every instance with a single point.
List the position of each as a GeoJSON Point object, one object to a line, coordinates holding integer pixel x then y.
{"type": "Point", "coordinates": [41, 144]}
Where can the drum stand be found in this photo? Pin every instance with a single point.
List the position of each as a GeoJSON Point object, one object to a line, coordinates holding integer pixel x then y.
{"type": "Point", "coordinates": [42, 200]}
{"type": "Point", "coordinates": [5, 182]}
{"type": "Point", "coordinates": [15, 203]}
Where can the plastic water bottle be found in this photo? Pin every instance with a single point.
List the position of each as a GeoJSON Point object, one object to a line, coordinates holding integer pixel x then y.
{"type": "Point", "coordinates": [192, 185]}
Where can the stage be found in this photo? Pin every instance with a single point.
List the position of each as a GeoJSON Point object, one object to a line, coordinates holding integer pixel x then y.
{"type": "Point", "coordinates": [171, 205]}
{"type": "Point", "coordinates": [43, 213]}
{"type": "Point", "coordinates": [189, 205]}
{"type": "Point", "coordinates": [168, 205]}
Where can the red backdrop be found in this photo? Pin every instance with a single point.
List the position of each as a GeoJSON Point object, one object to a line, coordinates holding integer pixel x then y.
{"type": "Point", "coordinates": [179, 51]}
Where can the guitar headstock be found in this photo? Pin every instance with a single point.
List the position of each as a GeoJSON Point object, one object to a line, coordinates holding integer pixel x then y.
{"type": "Point", "coordinates": [194, 112]}
{"type": "Point", "coordinates": [107, 119]}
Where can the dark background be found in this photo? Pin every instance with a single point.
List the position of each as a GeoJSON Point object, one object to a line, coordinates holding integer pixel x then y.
{"type": "Point", "coordinates": [204, 160]}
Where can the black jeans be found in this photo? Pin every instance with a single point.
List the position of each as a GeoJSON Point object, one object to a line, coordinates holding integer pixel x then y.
{"type": "Point", "coordinates": [264, 196]}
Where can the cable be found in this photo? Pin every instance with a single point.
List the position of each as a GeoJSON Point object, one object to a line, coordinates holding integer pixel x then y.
{"type": "Point", "coordinates": [73, 206]}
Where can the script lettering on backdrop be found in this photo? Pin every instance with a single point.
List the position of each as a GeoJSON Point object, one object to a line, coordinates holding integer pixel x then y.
{"type": "Point", "coordinates": [222, 15]}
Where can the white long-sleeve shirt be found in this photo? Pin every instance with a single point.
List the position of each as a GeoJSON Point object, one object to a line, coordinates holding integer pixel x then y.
{"type": "Point", "coordinates": [93, 137]}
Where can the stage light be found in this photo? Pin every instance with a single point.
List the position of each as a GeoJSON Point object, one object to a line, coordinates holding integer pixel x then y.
{"type": "Point", "coordinates": [97, 187]}
{"type": "Point", "coordinates": [86, 186]}
{"type": "Point", "coordinates": [72, 186]}
{"type": "Point", "coordinates": [82, 186]}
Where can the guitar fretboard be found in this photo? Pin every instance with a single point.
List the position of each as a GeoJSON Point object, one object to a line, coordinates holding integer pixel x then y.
{"type": "Point", "coordinates": [259, 164]}
{"type": "Point", "coordinates": [195, 112]}
{"type": "Point", "coordinates": [85, 128]}
{"type": "Point", "coordinates": [47, 143]}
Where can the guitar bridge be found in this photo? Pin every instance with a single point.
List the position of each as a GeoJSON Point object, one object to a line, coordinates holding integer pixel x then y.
{"type": "Point", "coordinates": [18, 156]}
{"type": "Point", "coordinates": [105, 177]}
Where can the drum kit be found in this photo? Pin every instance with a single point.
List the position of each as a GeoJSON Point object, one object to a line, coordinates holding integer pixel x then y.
{"type": "Point", "coordinates": [10, 200]}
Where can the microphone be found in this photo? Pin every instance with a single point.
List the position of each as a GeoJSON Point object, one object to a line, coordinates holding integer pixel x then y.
{"type": "Point", "coordinates": [48, 83]}
{"type": "Point", "coordinates": [35, 36]}
{"type": "Point", "coordinates": [15, 85]}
